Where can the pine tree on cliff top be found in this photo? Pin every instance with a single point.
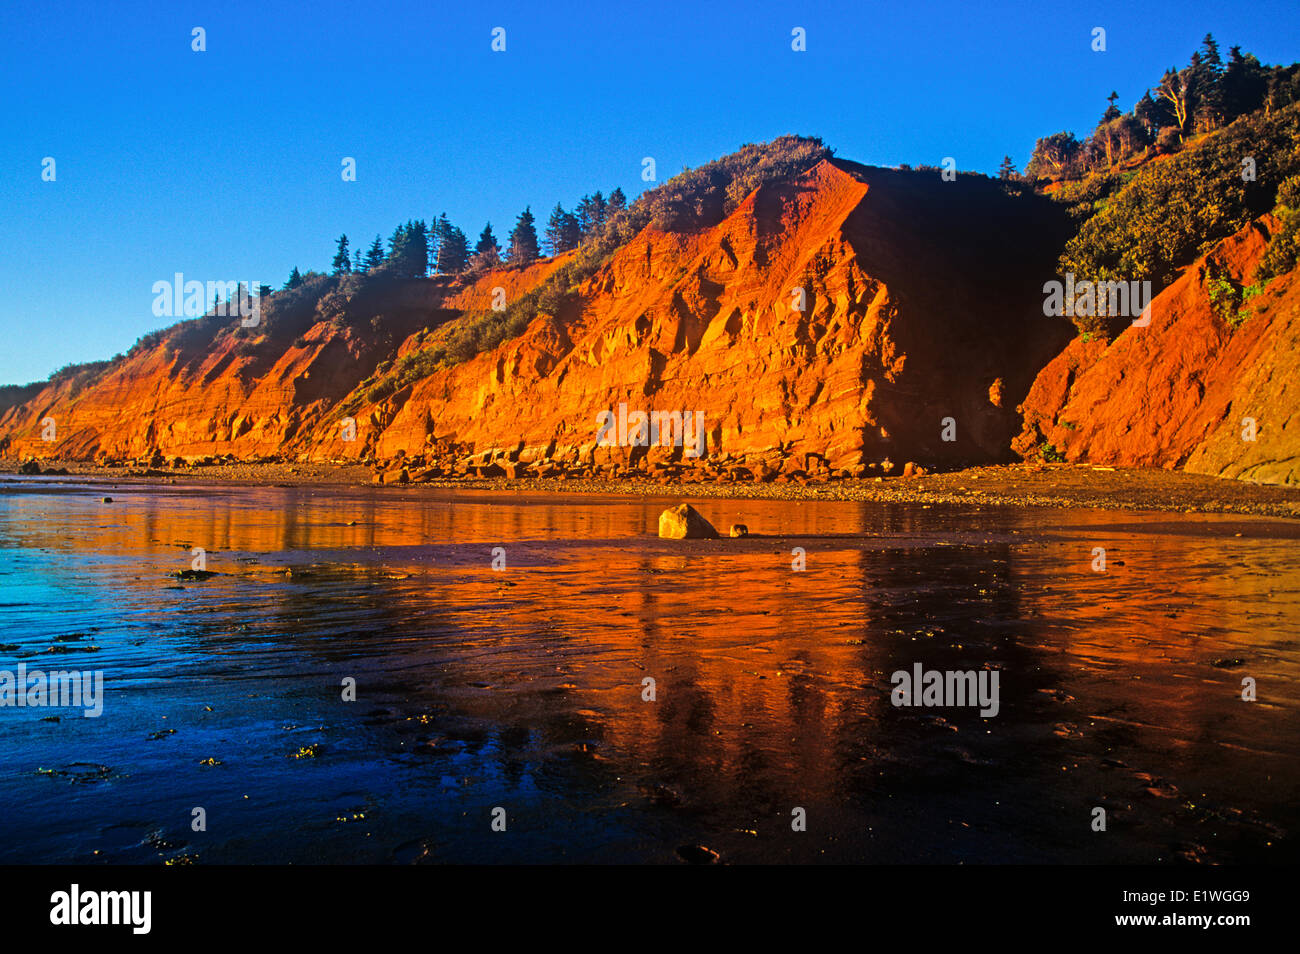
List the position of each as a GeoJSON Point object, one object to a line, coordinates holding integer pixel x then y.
{"type": "Point", "coordinates": [375, 257]}
{"type": "Point", "coordinates": [453, 248]}
{"type": "Point", "coordinates": [523, 239]}
{"type": "Point", "coordinates": [487, 242]}
{"type": "Point", "coordinates": [562, 232]}
{"type": "Point", "coordinates": [342, 262]}
{"type": "Point", "coordinates": [592, 212]}
{"type": "Point", "coordinates": [408, 254]}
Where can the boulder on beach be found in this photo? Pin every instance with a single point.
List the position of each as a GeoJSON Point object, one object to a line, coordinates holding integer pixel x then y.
{"type": "Point", "coordinates": [684, 522]}
{"type": "Point", "coordinates": [739, 530]}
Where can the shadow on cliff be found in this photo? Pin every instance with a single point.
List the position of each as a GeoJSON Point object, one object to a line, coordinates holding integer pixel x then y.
{"type": "Point", "coordinates": [975, 339]}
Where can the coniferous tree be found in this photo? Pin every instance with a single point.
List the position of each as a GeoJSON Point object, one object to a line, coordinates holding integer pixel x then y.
{"type": "Point", "coordinates": [616, 203]}
{"type": "Point", "coordinates": [358, 266]}
{"type": "Point", "coordinates": [417, 236]}
{"type": "Point", "coordinates": [342, 263]}
{"type": "Point", "coordinates": [375, 256]}
{"type": "Point", "coordinates": [295, 279]}
{"type": "Point", "coordinates": [583, 213]}
{"type": "Point", "coordinates": [449, 247]}
{"type": "Point", "coordinates": [396, 241]}
{"type": "Point", "coordinates": [1007, 170]}
{"type": "Point", "coordinates": [453, 248]}
{"type": "Point", "coordinates": [487, 253]}
{"type": "Point", "coordinates": [1206, 80]}
{"type": "Point", "coordinates": [562, 233]}
{"type": "Point", "coordinates": [437, 231]}
{"type": "Point", "coordinates": [408, 250]}
{"type": "Point", "coordinates": [1112, 111]}
{"type": "Point", "coordinates": [523, 239]}
{"type": "Point", "coordinates": [1244, 84]}
{"type": "Point", "coordinates": [551, 236]}
{"type": "Point", "coordinates": [487, 242]}
{"type": "Point", "coordinates": [1103, 137]}
{"type": "Point", "coordinates": [592, 212]}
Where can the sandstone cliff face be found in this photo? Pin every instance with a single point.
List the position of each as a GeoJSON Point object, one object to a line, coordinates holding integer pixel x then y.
{"type": "Point", "coordinates": [920, 302]}
{"type": "Point", "coordinates": [1176, 394]}
{"type": "Point", "coordinates": [907, 317]}
{"type": "Point", "coordinates": [219, 397]}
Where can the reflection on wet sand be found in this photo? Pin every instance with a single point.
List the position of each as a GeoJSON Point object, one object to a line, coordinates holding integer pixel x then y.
{"type": "Point", "coordinates": [525, 688]}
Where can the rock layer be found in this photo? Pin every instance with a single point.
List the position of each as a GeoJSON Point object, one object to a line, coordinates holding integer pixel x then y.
{"type": "Point", "coordinates": [848, 319]}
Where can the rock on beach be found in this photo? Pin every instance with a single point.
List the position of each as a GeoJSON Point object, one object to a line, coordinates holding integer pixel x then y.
{"type": "Point", "coordinates": [684, 522]}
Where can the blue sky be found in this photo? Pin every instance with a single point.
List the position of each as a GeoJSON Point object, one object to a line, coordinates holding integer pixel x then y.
{"type": "Point", "coordinates": [225, 165]}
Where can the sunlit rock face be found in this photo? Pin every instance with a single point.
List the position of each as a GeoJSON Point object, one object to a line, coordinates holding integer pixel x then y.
{"type": "Point", "coordinates": [831, 321]}
{"type": "Point", "coordinates": [1188, 390]}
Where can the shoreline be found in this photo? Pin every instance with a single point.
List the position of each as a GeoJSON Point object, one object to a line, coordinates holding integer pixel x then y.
{"type": "Point", "coordinates": [1056, 486]}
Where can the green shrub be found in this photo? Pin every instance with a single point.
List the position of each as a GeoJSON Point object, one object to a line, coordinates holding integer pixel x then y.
{"type": "Point", "coordinates": [1172, 211]}
{"type": "Point", "coordinates": [1085, 197]}
{"type": "Point", "coordinates": [1229, 299]}
{"type": "Point", "coordinates": [1284, 246]}
{"type": "Point", "coordinates": [704, 196]}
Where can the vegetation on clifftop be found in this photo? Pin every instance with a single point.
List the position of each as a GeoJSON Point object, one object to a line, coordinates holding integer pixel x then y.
{"type": "Point", "coordinates": [1199, 156]}
{"type": "Point", "coordinates": [1173, 211]}
{"type": "Point", "coordinates": [696, 198]}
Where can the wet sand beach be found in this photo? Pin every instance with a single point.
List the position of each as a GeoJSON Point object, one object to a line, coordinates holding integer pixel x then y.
{"type": "Point", "coordinates": [523, 686]}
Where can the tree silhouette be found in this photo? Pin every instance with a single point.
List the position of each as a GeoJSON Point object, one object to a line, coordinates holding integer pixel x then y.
{"type": "Point", "coordinates": [342, 263]}
{"type": "Point", "coordinates": [487, 242]}
{"type": "Point", "coordinates": [375, 257]}
{"type": "Point", "coordinates": [523, 239]}
{"type": "Point", "coordinates": [453, 247]}
{"type": "Point", "coordinates": [562, 231]}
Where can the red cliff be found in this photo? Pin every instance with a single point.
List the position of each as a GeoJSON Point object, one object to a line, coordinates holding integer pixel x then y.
{"type": "Point", "coordinates": [1190, 390]}
{"type": "Point", "coordinates": [920, 303]}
